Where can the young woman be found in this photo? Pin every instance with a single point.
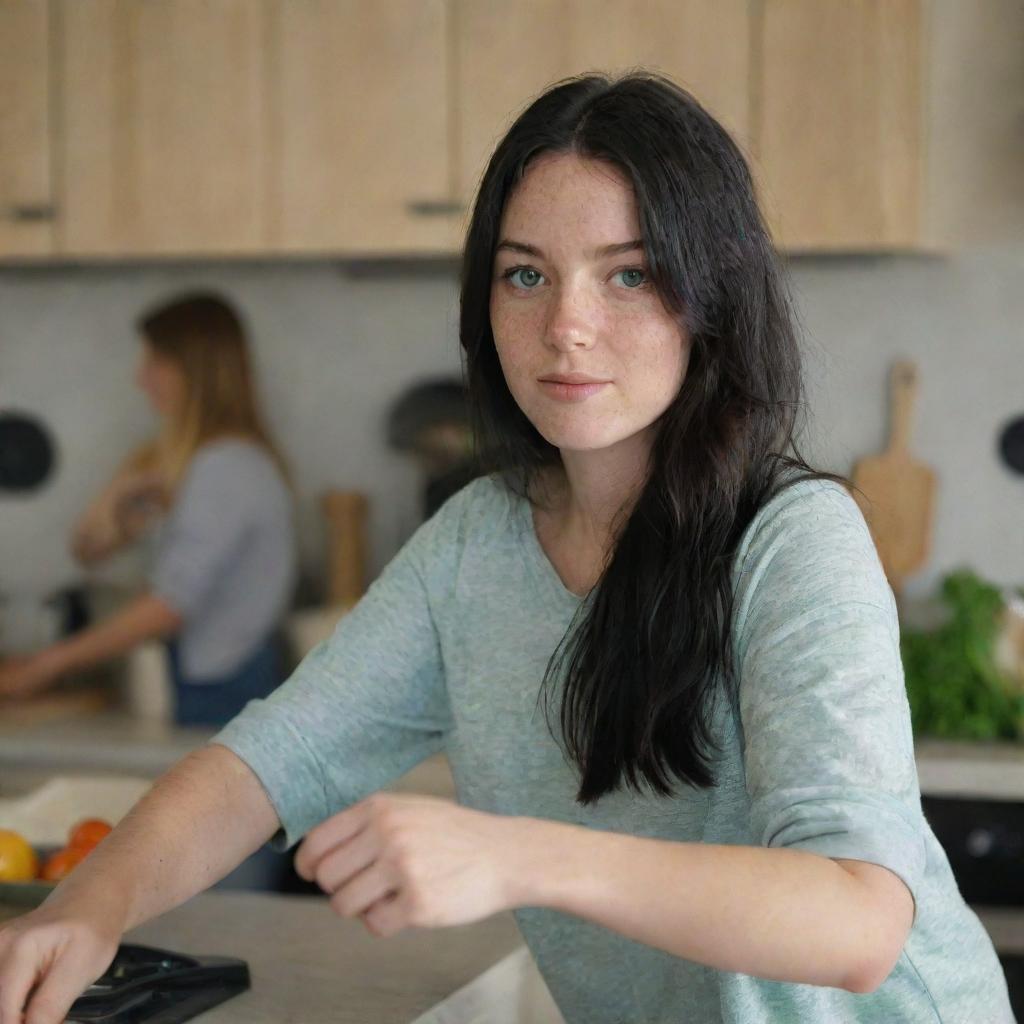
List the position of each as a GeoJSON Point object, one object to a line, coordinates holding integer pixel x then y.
{"type": "Point", "coordinates": [661, 655]}
{"type": "Point", "coordinates": [226, 556]}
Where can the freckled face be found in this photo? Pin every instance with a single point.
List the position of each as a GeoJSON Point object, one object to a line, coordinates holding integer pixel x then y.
{"type": "Point", "coordinates": [570, 297]}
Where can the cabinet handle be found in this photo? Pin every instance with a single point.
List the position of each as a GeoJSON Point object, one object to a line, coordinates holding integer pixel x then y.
{"type": "Point", "coordinates": [31, 213]}
{"type": "Point", "coordinates": [435, 207]}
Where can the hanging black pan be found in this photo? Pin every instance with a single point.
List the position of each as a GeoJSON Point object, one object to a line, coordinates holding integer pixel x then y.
{"type": "Point", "coordinates": [27, 452]}
{"type": "Point", "coordinates": [1011, 444]}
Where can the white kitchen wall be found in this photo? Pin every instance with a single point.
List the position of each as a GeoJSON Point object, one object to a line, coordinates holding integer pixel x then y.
{"type": "Point", "coordinates": [333, 347]}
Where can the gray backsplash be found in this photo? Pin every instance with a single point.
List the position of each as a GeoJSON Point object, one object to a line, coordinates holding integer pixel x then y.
{"type": "Point", "coordinates": [333, 349]}
{"type": "Point", "coordinates": [334, 345]}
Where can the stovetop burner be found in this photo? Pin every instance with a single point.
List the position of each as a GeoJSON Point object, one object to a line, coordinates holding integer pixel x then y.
{"type": "Point", "coordinates": [156, 986]}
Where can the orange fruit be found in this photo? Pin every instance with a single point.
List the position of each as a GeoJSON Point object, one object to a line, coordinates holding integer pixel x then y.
{"type": "Point", "coordinates": [89, 833]}
{"type": "Point", "coordinates": [59, 864]}
{"type": "Point", "coordinates": [18, 861]}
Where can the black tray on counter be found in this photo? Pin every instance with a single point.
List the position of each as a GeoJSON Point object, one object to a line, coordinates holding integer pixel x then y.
{"type": "Point", "coordinates": [144, 985]}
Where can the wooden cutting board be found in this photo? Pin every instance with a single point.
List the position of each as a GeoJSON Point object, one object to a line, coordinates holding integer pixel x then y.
{"type": "Point", "coordinates": [898, 490]}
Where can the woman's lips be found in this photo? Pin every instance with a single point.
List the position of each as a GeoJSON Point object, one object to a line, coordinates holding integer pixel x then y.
{"type": "Point", "coordinates": [572, 392]}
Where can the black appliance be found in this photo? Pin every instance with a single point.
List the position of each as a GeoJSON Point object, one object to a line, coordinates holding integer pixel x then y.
{"type": "Point", "coordinates": [984, 841]}
{"type": "Point", "coordinates": [144, 985]}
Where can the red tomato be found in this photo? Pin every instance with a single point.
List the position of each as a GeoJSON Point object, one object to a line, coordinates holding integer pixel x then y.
{"type": "Point", "coordinates": [88, 833]}
{"type": "Point", "coordinates": [59, 864]}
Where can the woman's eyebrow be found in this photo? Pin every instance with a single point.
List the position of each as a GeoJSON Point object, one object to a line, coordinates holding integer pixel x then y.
{"type": "Point", "coordinates": [616, 249]}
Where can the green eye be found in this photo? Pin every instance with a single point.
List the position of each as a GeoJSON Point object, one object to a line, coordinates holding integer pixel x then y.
{"type": "Point", "coordinates": [524, 277]}
{"type": "Point", "coordinates": [633, 277]}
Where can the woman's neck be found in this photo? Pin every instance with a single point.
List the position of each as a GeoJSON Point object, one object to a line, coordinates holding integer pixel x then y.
{"type": "Point", "coordinates": [588, 495]}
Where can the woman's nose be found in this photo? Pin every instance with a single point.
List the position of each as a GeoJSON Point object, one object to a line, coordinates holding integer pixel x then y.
{"type": "Point", "coordinates": [572, 318]}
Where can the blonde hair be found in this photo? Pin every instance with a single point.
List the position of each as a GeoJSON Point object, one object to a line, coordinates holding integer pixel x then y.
{"type": "Point", "coordinates": [203, 336]}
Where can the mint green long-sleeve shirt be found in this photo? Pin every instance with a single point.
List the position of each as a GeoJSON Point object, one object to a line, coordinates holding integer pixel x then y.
{"type": "Point", "coordinates": [447, 650]}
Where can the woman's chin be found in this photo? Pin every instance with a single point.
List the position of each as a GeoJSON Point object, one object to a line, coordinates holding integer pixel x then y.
{"type": "Point", "coordinates": [580, 440]}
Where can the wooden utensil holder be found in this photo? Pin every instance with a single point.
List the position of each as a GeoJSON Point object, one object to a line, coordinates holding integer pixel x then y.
{"type": "Point", "coordinates": [345, 513]}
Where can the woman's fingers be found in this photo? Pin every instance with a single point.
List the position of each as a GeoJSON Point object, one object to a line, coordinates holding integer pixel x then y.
{"type": "Point", "coordinates": [17, 975]}
{"type": "Point", "coordinates": [59, 985]}
{"type": "Point", "coordinates": [18, 677]}
{"type": "Point", "coordinates": [444, 862]}
{"type": "Point", "coordinates": [346, 860]}
{"type": "Point", "coordinates": [360, 893]}
{"type": "Point", "coordinates": [328, 834]}
{"type": "Point", "coordinates": [58, 959]}
{"type": "Point", "coordinates": [62, 984]}
{"type": "Point", "coordinates": [387, 917]}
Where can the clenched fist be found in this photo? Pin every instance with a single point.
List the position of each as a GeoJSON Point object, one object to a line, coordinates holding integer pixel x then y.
{"type": "Point", "coordinates": [398, 861]}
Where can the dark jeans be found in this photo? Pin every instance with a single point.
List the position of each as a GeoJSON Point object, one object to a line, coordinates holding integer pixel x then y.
{"type": "Point", "coordinates": [215, 702]}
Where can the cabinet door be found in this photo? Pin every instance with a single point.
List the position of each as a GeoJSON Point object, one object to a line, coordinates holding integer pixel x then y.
{"type": "Point", "coordinates": [26, 211]}
{"type": "Point", "coordinates": [839, 142]}
{"type": "Point", "coordinates": [507, 53]}
{"type": "Point", "coordinates": [361, 139]}
{"type": "Point", "coordinates": [162, 104]}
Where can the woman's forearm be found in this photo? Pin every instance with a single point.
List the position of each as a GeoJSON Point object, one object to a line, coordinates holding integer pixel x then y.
{"type": "Point", "coordinates": [199, 821]}
{"type": "Point", "coordinates": [145, 618]}
{"type": "Point", "coordinates": [786, 915]}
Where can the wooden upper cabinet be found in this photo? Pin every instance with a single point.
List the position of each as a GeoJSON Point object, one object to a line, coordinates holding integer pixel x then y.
{"type": "Point", "coordinates": [253, 127]}
{"type": "Point", "coordinates": [361, 127]}
{"type": "Point", "coordinates": [26, 197]}
{"type": "Point", "coordinates": [163, 145]}
{"type": "Point", "coordinates": [507, 53]}
{"type": "Point", "coordinates": [839, 142]}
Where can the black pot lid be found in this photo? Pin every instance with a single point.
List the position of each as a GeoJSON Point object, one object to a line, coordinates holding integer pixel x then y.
{"type": "Point", "coordinates": [1011, 444]}
{"type": "Point", "coordinates": [27, 452]}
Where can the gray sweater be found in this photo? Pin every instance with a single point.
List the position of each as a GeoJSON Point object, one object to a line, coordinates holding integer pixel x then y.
{"type": "Point", "coordinates": [447, 650]}
{"type": "Point", "coordinates": [226, 557]}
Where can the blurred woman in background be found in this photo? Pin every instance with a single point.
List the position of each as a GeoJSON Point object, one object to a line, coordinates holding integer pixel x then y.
{"type": "Point", "coordinates": [215, 486]}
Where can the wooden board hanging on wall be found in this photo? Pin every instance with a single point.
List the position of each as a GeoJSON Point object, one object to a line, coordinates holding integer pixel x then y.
{"type": "Point", "coordinates": [898, 490]}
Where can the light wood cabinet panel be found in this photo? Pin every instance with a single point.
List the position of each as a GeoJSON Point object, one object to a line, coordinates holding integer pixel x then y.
{"type": "Point", "coordinates": [840, 137]}
{"type": "Point", "coordinates": [341, 127]}
{"type": "Point", "coordinates": [703, 45]}
{"type": "Point", "coordinates": [507, 53]}
{"type": "Point", "coordinates": [163, 142]}
{"type": "Point", "coordinates": [361, 133]}
{"type": "Point", "coordinates": [26, 199]}
{"type": "Point", "coordinates": [504, 54]}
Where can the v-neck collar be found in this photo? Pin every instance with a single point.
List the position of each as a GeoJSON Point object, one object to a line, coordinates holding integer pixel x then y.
{"type": "Point", "coordinates": [542, 565]}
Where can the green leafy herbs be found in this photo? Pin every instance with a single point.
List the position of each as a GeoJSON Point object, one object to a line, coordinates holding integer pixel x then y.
{"type": "Point", "coordinates": [955, 689]}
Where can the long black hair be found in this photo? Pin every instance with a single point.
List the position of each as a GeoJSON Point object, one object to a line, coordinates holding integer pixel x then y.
{"type": "Point", "coordinates": [645, 658]}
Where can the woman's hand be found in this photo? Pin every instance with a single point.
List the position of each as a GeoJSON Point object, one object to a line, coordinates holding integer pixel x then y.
{"type": "Point", "coordinates": [50, 956]}
{"type": "Point", "coordinates": [399, 861]}
{"type": "Point", "coordinates": [140, 498]}
{"type": "Point", "coordinates": [27, 675]}
{"type": "Point", "coordinates": [120, 515]}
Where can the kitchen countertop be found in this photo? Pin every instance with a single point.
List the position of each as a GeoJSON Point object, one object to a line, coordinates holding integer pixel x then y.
{"type": "Point", "coordinates": [308, 965]}
{"type": "Point", "coordinates": [985, 771]}
{"type": "Point", "coordinates": [103, 741]}
{"type": "Point", "coordinates": [113, 741]}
